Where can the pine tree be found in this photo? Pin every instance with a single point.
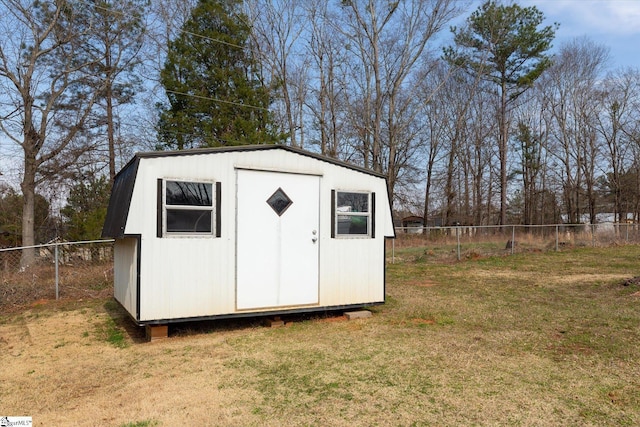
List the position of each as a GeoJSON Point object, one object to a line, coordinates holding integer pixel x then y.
{"type": "Point", "coordinates": [215, 95]}
{"type": "Point", "coordinates": [504, 45]}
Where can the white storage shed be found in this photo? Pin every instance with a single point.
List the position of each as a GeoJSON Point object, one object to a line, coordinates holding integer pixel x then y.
{"type": "Point", "coordinates": [238, 231]}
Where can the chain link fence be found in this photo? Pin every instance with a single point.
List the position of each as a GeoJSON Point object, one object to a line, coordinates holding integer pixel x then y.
{"type": "Point", "coordinates": [76, 270]}
{"type": "Point", "coordinates": [467, 242]}
{"type": "Point", "coordinates": [67, 270]}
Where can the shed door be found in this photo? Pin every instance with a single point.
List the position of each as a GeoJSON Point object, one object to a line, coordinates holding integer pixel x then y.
{"type": "Point", "coordinates": [277, 239]}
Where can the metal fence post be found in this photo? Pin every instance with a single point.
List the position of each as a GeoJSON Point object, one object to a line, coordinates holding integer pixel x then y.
{"type": "Point", "coordinates": [55, 251]}
{"type": "Point", "coordinates": [393, 251]}
{"type": "Point", "coordinates": [626, 239]}
{"type": "Point", "coordinates": [557, 236]}
{"type": "Point", "coordinates": [458, 237]}
{"type": "Point", "coordinates": [513, 238]}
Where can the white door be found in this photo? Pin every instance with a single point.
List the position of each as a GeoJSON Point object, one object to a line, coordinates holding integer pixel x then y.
{"type": "Point", "coordinates": [277, 239]}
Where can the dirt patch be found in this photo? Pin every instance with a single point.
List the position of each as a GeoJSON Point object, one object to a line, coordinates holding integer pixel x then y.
{"type": "Point", "coordinates": [332, 319]}
{"type": "Point", "coordinates": [422, 283]}
{"type": "Point", "coordinates": [426, 284]}
{"type": "Point", "coordinates": [423, 321]}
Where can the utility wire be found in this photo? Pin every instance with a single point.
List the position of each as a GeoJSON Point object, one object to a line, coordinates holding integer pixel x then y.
{"type": "Point", "coordinates": [208, 98]}
{"type": "Point", "coordinates": [118, 12]}
{"type": "Point", "coordinates": [202, 37]}
{"type": "Point", "coordinates": [152, 127]}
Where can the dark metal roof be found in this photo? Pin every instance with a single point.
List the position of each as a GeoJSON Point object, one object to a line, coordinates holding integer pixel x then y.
{"type": "Point", "coordinates": [120, 200]}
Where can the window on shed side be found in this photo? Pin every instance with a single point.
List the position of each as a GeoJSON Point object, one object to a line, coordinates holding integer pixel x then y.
{"type": "Point", "coordinates": [353, 213]}
{"type": "Point", "coordinates": [189, 207]}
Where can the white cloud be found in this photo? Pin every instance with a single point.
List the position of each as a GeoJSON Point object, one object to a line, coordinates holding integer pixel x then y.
{"type": "Point", "coordinates": [577, 17]}
{"type": "Point", "coordinates": [612, 23]}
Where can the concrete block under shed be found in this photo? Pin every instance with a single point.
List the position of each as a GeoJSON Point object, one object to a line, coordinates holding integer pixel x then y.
{"type": "Point", "coordinates": [273, 322]}
{"type": "Point", "coordinates": [360, 314]}
{"type": "Point", "coordinates": [156, 332]}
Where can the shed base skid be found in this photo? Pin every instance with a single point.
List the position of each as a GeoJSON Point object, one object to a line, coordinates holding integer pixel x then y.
{"type": "Point", "coordinates": [261, 314]}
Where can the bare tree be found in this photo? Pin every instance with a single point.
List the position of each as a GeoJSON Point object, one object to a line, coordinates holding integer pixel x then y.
{"type": "Point", "coordinates": [569, 91]}
{"type": "Point", "coordinates": [324, 45]}
{"type": "Point", "coordinates": [455, 116]}
{"type": "Point", "coordinates": [163, 23]}
{"type": "Point", "coordinates": [390, 40]}
{"type": "Point", "coordinates": [47, 99]}
{"type": "Point", "coordinates": [116, 32]}
{"type": "Point", "coordinates": [618, 125]}
{"type": "Point", "coordinates": [276, 29]}
{"type": "Point", "coordinates": [477, 153]}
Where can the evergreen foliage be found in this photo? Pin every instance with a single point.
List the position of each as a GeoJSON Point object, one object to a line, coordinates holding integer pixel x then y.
{"type": "Point", "coordinates": [216, 96]}
{"type": "Point", "coordinates": [11, 204]}
{"type": "Point", "coordinates": [504, 44]}
{"type": "Point", "coordinates": [86, 209]}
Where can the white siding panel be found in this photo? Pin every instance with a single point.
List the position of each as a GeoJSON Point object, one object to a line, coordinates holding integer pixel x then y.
{"type": "Point", "coordinates": [125, 273]}
{"type": "Point", "coordinates": [352, 268]}
{"type": "Point", "coordinates": [351, 279]}
{"type": "Point", "coordinates": [185, 277]}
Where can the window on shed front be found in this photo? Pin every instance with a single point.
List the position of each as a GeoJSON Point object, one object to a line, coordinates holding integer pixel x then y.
{"type": "Point", "coordinates": [352, 213]}
{"type": "Point", "coordinates": [189, 207]}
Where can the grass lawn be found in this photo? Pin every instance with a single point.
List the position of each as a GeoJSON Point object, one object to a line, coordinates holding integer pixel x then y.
{"type": "Point", "coordinates": [530, 339]}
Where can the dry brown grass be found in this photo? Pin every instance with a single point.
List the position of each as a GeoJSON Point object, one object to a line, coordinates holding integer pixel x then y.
{"type": "Point", "coordinates": [543, 339]}
{"type": "Point", "coordinates": [36, 284]}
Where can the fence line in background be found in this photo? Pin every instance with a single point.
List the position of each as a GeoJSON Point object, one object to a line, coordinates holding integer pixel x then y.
{"type": "Point", "coordinates": [517, 235]}
{"type": "Point", "coordinates": [59, 269]}
{"type": "Point", "coordinates": [44, 245]}
{"type": "Point", "coordinates": [85, 268]}
{"type": "Point", "coordinates": [56, 252]}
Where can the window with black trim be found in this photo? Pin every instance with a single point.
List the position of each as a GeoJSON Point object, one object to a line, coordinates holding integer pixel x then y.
{"type": "Point", "coordinates": [189, 207]}
{"type": "Point", "coordinates": [352, 213]}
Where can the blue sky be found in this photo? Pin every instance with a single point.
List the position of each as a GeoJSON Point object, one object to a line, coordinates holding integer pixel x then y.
{"type": "Point", "coordinates": [613, 23]}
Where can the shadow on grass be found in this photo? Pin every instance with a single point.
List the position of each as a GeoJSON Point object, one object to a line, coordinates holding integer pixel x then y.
{"type": "Point", "coordinates": [121, 323]}
{"type": "Point", "coordinates": [120, 320]}
{"type": "Point", "coordinates": [227, 324]}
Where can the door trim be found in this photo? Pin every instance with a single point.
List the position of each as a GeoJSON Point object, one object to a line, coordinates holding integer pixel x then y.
{"type": "Point", "coordinates": [313, 285]}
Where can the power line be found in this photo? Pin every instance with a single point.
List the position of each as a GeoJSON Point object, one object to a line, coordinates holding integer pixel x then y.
{"type": "Point", "coordinates": [208, 98]}
{"type": "Point", "coordinates": [152, 127]}
{"type": "Point", "coordinates": [118, 12]}
{"type": "Point", "coordinates": [211, 39]}
{"type": "Point", "coordinates": [237, 104]}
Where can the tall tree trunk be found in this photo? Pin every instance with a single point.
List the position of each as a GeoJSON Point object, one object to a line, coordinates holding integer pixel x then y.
{"type": "Point", "coordinates": [478, 181]}
{"type": "Point", "coordinates": [502, 152]}
{"type": "Point", "coordinates": [111, 134]}
{"type": "Point", "coordinates": [109, 112]}
{"type": "Point", "coordinates": [449, 189]}
{"type": "Point", "coordinates": [28, 187]}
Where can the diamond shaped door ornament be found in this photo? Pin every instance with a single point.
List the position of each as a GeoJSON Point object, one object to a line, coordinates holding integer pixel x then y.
{"type": "Point", "coordinates": [279, 201]}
